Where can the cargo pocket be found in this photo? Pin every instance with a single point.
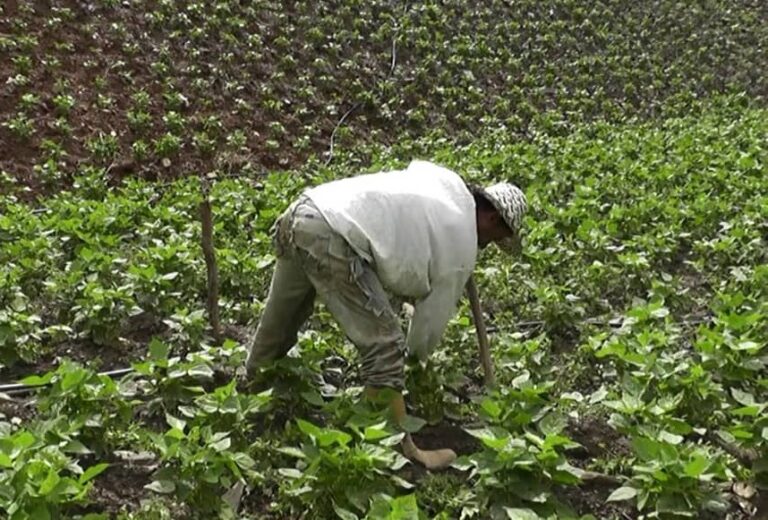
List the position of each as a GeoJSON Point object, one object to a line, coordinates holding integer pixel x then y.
{"type": "Point", "coordinates": [311, 236]}
{"type": "Point", "coordinates": [377, 300]}
{"type": "Point", "coordinates": [280, 240]}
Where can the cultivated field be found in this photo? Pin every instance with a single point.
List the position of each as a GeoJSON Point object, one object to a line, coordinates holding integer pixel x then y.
{"type": "Point", "coordinates": [628, 340]}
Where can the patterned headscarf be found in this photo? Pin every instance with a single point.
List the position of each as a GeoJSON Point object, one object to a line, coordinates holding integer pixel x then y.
{"type": "Point", "coordinates": [511, 204]}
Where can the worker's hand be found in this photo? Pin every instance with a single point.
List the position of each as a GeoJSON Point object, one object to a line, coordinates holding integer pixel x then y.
{"type": "Point", "coordinates": [430, 459]}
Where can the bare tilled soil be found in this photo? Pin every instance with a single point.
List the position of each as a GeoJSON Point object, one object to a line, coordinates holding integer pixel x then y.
{"type": "Point", "coordinates": [284, 75]}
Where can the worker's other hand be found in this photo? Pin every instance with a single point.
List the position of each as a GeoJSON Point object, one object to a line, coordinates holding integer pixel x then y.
{"type": "Point", "coordinates": [430, 459]}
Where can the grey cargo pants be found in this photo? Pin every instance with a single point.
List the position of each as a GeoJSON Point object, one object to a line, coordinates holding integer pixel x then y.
{"type": "Point", "coordinates": [313, 260]}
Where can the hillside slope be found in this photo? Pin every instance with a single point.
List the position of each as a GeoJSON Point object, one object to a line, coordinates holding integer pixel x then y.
{"type": "Point", "coordinates": [225, 85]}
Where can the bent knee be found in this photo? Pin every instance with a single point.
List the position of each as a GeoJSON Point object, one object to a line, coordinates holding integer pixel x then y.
{"type": "Point", "coordinates": [383, 365]}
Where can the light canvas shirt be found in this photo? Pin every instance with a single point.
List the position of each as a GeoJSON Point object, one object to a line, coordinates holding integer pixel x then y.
{"type": "Point", "coordinates": [417, 228]}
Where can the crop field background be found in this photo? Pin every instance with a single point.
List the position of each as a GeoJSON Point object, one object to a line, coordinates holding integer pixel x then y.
{"type": "Point", "coordinates": [629, 339]}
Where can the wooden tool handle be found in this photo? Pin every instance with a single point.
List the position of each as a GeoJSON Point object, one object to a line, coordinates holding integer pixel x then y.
{"type": "Point", "coordinates": [482, 334]}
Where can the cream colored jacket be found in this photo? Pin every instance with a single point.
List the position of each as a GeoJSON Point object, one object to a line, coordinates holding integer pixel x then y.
{"type": "Point", "coordinates": [417, 229]}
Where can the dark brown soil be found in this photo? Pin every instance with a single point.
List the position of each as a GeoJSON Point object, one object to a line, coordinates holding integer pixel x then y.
{"type": "Point", "coordinates": [97, 357]}
{"type": "Point", "coordinates": [18, 407]}
{"type": "Point", "coordinates": [119, 488]}
{"type": "Point", "coordinates": [590, 499]}
{"type": "Point", "coordinates": [287, 89]}
{"type": "Point", "coordinates": [446, 436]}
{"type": "Point", "coordinates": [132, 347]}
{"type": "Point", "coordinates": [439, 436]}
{"type": "Point", "coordinates": [598, 439]}
{"type": "Point", "coordinates": [258, 503]}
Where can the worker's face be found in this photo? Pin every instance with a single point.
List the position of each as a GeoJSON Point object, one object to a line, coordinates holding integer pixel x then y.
{"type": "Point", "coordinates": [491, 228]}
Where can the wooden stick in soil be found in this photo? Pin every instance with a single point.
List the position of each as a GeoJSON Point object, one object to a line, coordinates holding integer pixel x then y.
{"type": "Point", "coordinates": [206, 218]}
{"type": "Point", "coordinates": [482, 333]}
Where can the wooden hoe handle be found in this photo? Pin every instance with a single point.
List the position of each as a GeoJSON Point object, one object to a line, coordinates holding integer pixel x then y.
{"type": "Point", "coordinates": [482, 333]}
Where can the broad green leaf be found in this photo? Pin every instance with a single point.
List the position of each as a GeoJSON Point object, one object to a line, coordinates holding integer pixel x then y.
{"type": "Point", "coordinates": [486, 433]}
{"type": "Point", "coordinates": [40, 512]}
{"type": "Point", "coordinates": [290, 472]}
{"type": "Point", "coordinates": [553, 423]}
{"type": "Point", "coordinates": [741, 433]}
{"type": "Point", "coordinates": [77, 447]}
{"type": "Point", "coordinates": [144, 369]}
{"type": "Point", "coordinates": [401, 482]}
{"type": "Point", "coordinates": [748, 411]}
{"type": "Point", "coordinates": [344, 514]}
{"type": "Point", "coordinates": [187, 411]}
{"type": "Point", "coordinates": [5, 461]}
{"type": "Point", "coordinates": [376, 432]}
{"type": "Point", "coordinates": [324, 436]}
{"type": "Point", "coordinates": [200, 370]}
{"type": "Point", "coordinates": [308, 428]}
{"type": "Point", "coordinates": [567, 474]}
{"type": "Point", "coordinates": [174, 422]}
{"type": "Point", "coordinates": [726, 436]}
{"type": "Point", "coordinates": [491, 407]}
{"type": "Point", "coordinates": [514, 513]}
{"type": "Point", "coordinates": [392, 440]}
{"type": "Point", "coordinates": [175, 433]}
{"type": "Point", "coordinates": [462, 464]}
{"type": "Point", "coordinates": [21, 441]}
{"type": "Point", "coordinates": [697, 466]}
{"type": "Point", "coordinates": [522, 379]}
{"type": "Point", "coordinates": [292, 451]}
{"type": "Point", "coordinates": [404, 508]}
{"type": "Point", "coordinates": [748, 346]}
{"type": "Point", "coordinates": [68, 487]}
{"type": "Point", "coordinates": [331, 436]}
{"type": "Point", "coordinates": [743, 398]}
{"type": "Point", "coordinates": [598, 396]}
{"type": "Point", "coordinates": [668, 452]}
{"type": "Point", "coordinates": [50, 482]}
{"type": "Point", "coordinates": [38, 380]}
{"type": "Point", "coordinates": [647, 449]}
{"type": "Point", "coordinates": [163, 487]}
{"type": "Point", "coordinates": [222, 444]}
{"type": "Point", "coordinates": [678, 426]}
{"type": "Point", "coordinates": [573, 396]}
{"type": "Point", "coordinates": [313, 398]}
{"type": "Point", "coordinates": [412, 424]}
{"type": "Point", "coordinates": [671, 438]}
{"type": "Point", "coordinates": [622, 493]}
{"type": "Point", "coordinates": [92, 472]}
{"type": "Point", "coordinates": [244, 460]}
{"type": "Point", "coordinates": [158, 350]}
{"type": "Point", "coordinates": [73, 378]}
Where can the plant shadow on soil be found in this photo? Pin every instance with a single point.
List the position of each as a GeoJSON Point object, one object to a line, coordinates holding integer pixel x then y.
{"type": "Point", "coordinates": [119, 488]}
{"type": "Point", "coordinates": [598, 439]}
{"type": "Point", "coordinates": [130, 348]}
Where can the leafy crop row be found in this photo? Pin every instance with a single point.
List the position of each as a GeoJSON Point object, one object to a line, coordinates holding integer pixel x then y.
{"type": "Point", "coordinates": [171, 88]}
{"type": "Point", "coordinates": [639, 306]}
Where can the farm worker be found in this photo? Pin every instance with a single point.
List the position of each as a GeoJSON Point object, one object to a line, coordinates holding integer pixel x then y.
{"type": "Point", "coordinates": [354, 243]}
